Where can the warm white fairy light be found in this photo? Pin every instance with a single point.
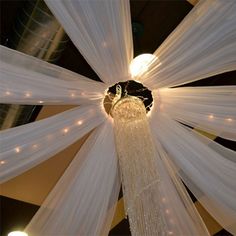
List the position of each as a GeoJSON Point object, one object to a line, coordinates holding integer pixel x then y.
{"type": "Point", "coordinates": [17, 233]}
{"type": "Point", "coordinates": [211, 117]}
{"type": "Point", "coordinates": [27, 95]}
{"type": "Point", "coordinates": [79, 122]}
{"type": "Point", "coordinates": [72, 95]}
{"type": "Point", "coordinates": [65, 131]}
{"type": "Point", "coordinates": [229, 119]}
{"type": "Point", "coordinates": [167, 211]}
{"type": "Point", "coordinates": [163, 199]}
{"type": "Point", "coordinates": [7, 93]}
{"type": "Point", "coordinates": [141, 64]}
{"type": "Point", "coordinates": [2, 162]}
{"type": "Point", "coordinates": [17, 149]}
{"type": "Point", "coordinates": [40, 102]}
{"type": "Point", "coordinates": [35, 146]}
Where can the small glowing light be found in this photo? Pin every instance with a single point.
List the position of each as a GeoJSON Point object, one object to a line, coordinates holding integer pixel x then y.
{"type": "Point", "coordinates": [229, 119]}
{"type": "Point", "coordinates": [17, 233]}
{"type": "Point", "coordinates": [83, 93]}
{"type": "Point", "coordinates": [170, 232]}
{"type": "Point", "coordinates": [35, 146]}
{"type": "Point", "coordinates": [141, 63]}
{"type": "Point", "coordinates": [17, 149]}
{"type": "Point", "coordinates": [79, 122]}
{"type": "Point", "coordinates": [40, 102]}
{"type": "Point", "coordinates": [7, 93]}
{"type": "Point", "coordinates": [72, 95]}
{"type": "Point", "coordinates": [167, 211]}
{"type": "Point", "coordinates": [211, 117]}
{"type": "Point", "coordinates": [65, 131]}
{"type": "Point", "coordinates": [163, 199]}
{"type": "Point", "coordinates": [2, 162]}
{"type": "Point", "coordinates": [28, 95]}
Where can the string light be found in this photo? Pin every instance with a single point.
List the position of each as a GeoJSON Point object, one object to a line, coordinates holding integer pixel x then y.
{"type": "Point", "coordinates": [2, 162]}
{"type": "Point", "coordinates": [40, 102]}
{"type": "Point", "coordinates": [167, 211]}
{"type": "Point", "coordinates": [72, 95]}
{"type": "Point", "coordinates": [35, 146]}
{"type": "Point", "coordinates": [170, 233]}
{"type": "Point", "coordinates": [229, 119]}
{"type": "Point", "coordinates": [65, 131]}
{"type": "Point", "coordinates": [7, 93]}
{"type": "Point", "coordinates": [163, 199]}
{"type": "Point", "coordinates": [211, 117]}
{"type": "Point", "coordinates": [28, 95]}
{"type": "Point", "coordinates": [79, 122]}
{"type": "Point", "coordinates": [17, 149]}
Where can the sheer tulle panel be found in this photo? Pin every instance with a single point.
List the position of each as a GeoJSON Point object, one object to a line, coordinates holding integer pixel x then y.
{"type": "Point", "coordinates": [79, 203]}
{"type": "Point", "coordinates": [210, 175]}
{"type": "Point", "coordinates": [101, 30]}
{"type": "Point", "coordinates": [212, 109]}
{"type": "Point", "coordinates": [27, 80]}
{"type": "Point", "coordinates": [177, 209]}
{"type": "Point", "coordinates": [25, 146]}
{"type": "Point", "coordinates": [225, 152]}
{"type": "Point", "coordinates": [203, 45]}
{"type": "Point", "coordinates": [227, 217]}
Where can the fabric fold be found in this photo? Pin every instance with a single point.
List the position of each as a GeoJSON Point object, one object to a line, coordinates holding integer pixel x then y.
{"type": "Point", "coordinates": [178, 212]}
{"type": "Point", "coordinates": [203, 45]}
{"type": "Point", "coordinates": [208, 174]}
{"type": "Point", "coordinates": [86, 194]}
{"type": "Point", "coordinates": [211, 109]}
{"type": "Point", "coordinates": [25, 146]}
{"type": "Point", "coordinates": [101, 30]}
{"type": "Point", "coordinates": [28, 80]}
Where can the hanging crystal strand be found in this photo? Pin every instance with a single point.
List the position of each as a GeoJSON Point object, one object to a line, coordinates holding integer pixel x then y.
{"type": "Point", "coordinates": [138, 167]}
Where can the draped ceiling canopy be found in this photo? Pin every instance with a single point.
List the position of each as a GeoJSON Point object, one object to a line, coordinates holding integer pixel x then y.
{"type": "Point", "coordinates": [203, 45]}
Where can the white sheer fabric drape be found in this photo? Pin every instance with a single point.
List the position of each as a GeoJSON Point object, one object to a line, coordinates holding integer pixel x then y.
{"type": "Point", "coordinates": [86, 193]}
{"type": "Point", "coordinates": [203, 45]}
{"type": "Point", "coordinates": [177, 209]}
{"type": "Point", "coordinates": [25, 146]}
{"type": "Point", "coordinates": [208, 108]}
{"type": "Point", "coordinates": [101, 30]}
{"type": "Point", "coordinates": [208, 174]}
{"type": "Point", "coordinates": [28, 80]}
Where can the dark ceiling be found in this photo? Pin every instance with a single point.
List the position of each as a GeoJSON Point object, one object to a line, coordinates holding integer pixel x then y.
{"type": "Point", "coordinates": [152, 22]}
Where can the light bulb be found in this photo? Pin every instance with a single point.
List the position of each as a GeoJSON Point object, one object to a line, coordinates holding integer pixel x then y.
{"type": "Point", "coordinates": [211, 117]}
{"type": "Point", "coordinates": [17, 149]}
{"type": "Point", "coordinates": [17, 233]}
{"type": "Point", "coordinates": [65, 131]}
{"type": "Point", "coordinates": [80, 122]}
{"type": "Point", "coordinates": [141, 63]}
